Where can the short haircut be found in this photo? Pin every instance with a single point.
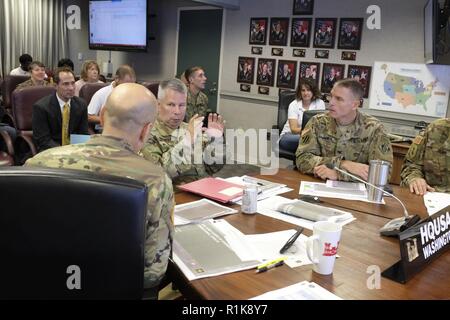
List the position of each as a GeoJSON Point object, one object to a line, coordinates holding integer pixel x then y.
{"type": "Point", "coordinates": [125, 70]}
{"type": "Point", "coordinates": [190, 71]}
{"type": "Point", "coordinates": [86, 66]}
{"type": "Point", "coordinates": [25, 59]}
{"type": "Point", "coordinates": [56, 77]}
{"type": "Point", "coordinates": [173, 84]}
{"type": "Point", "coordinates": [35, 64]}
{"type": "Point", "coordinates": [65, 62]}
{"type": "Point", "coordinates": [353, 85]}
{"type": "Point", "coordinates": [311, 86]}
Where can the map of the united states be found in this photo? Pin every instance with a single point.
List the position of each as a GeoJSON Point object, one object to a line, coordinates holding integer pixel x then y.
{"type": "Point", "coordinates": [408, 91]}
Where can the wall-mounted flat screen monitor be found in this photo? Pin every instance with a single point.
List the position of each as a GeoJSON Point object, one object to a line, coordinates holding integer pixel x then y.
{"type": "Point", "coordinates": [118, 25]}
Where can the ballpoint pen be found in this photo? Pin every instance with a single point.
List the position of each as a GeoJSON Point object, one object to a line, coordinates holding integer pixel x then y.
{"type": "Point", "coordinates": [272, 262]}
{"type": "Point", "coordinates": [291, 241]}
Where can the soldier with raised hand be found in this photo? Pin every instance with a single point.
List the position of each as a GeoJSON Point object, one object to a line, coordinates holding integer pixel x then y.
{"type": "Point", "coordinates": [344, 137]}
{"type": "Point", "coordinates": [427, 163]}
{"type": "Point", "coordinates": [185, 150]}
{"type": "Point", "coordinates": [127, 119]}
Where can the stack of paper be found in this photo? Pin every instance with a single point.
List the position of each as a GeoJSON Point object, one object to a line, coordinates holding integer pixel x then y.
{"type": "Point", "coordinates": [435, 201]}
{"type": "Point", "coordinates": [196, 211]}
{"type": "Point", "coordinates": [300, 291]}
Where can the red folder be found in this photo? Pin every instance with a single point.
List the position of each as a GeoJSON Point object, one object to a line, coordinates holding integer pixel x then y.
{"type": "Point", "coordinates": [215, 189]}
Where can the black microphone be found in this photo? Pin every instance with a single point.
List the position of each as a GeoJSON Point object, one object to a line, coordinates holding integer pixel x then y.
{"type": "Point", "coordinates": [395, 226]}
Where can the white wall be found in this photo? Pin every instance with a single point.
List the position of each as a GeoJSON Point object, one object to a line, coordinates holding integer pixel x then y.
{"type": "Point", "coordinates": [399, 40]}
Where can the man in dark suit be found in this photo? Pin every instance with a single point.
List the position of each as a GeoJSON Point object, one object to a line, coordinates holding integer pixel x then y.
{"type": "Point", "coordinates": [58, 115]}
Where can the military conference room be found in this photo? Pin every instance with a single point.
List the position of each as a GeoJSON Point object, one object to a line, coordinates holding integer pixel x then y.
{"type": "Point", "coordinates": [224, 150]}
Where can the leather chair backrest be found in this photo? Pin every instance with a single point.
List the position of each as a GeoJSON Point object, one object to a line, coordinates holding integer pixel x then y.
{"type": "Point", "coordinates": [22, 104]}
{"type": "Point", "coordinates": [89, 89]}
{"type": "Point", "coordinates": [9, 85]}
{"type": "Point", "coordinates": [308, 114]}
{"type": "Point", "coordinates": [152, 86]}
{"type": "Point", "coordinates": [61, 227]}
{"type": "Point", "coordinates": [284, 99]}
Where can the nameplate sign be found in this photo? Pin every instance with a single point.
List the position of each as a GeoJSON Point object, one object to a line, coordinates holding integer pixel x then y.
{"type": "Point", "coordinates": [420, 245]}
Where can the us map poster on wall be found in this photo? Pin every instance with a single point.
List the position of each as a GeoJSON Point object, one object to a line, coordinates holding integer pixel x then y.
{"type": "Point", "coordinates": [418, 89]}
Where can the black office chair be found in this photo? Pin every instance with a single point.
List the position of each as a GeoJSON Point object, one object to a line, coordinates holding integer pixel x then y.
{"type": "Point", "coordinates": [308, 114]}
{"type": "Point", "coordinates": [54, 221]}
{"type": "Point", "coordinates": [284, 99]}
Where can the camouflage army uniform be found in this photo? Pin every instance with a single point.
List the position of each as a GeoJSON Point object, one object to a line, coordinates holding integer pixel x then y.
{"type": "Point", "coordinates": [30, 83]}
{"type": "Point", "coordinates": [109, 155]}
{"type": "Point", "coordinates": [323, 141]}
{"type": "Point", "coordinates": [429, 157]}
{"type": "Point", "coordinates": [167, 148]}
{"type": "Point", "coordinates": [196, 105]}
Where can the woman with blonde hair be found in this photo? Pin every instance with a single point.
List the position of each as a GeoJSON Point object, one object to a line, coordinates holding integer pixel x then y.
{"type": "Point", "coordinates": [90, 73]}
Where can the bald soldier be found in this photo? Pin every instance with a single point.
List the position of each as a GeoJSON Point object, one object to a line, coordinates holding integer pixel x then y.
{"type": "Point", "coordinates": [427, 163]}
{"type": "Point", "coordinates": [127, 119]}
{"type": "Point", "coordinates": [182, 149]}
{"type": "Point", "coordinates": [344, 137]}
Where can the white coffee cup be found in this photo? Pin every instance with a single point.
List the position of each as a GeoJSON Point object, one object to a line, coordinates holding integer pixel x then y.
{"type": "Point", "coordinates": [322, 246]}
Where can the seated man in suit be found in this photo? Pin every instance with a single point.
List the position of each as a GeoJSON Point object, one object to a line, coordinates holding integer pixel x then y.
{"type": "Point", "coordinates": [176, 145]}
{"type": "Point", "coordinates": [58, 115]}
{"type": "Point", "coordinates": [127, 118]}
{"type": "Point", "coordinates": [427, 163]}
{"type": "Point", "coordinates": [344, 137]}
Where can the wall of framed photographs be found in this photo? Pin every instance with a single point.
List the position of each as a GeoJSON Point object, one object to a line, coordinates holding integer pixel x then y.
{"type": "Point", "coordinates": [318, 54]}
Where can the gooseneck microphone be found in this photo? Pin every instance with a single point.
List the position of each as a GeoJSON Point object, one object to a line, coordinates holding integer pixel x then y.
{"type": "Point", "coordinates": [395, 226]}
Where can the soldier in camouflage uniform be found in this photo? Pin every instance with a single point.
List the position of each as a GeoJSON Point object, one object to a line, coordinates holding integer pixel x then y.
{"type": "Point", "coordinates": [343, 137]}
{"type": "Point", "coordinates": [37, 72]}
{"type": "Point", "coordinates": [427, 163]}
{"type": "Point", "coordinates": [197, 101]}
{"type": "Point", "coordinates": [180, 148]}
{"type": "Point", "coordinates": [127, 117]}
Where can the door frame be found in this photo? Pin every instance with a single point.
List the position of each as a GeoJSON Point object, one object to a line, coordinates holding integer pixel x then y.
{"type": "Point", "coordinates": [222, 41]}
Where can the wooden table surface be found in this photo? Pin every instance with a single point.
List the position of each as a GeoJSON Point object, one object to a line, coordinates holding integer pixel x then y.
{"type": "Point", "coordinates": [362, 250]}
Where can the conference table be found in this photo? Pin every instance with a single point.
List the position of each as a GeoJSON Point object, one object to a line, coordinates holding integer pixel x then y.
{"type": "Point", "coordinates": [364, 254]}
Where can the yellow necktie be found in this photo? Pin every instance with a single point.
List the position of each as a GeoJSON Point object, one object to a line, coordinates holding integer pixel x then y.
{"type": "Point", "coordinates": [65, 124]}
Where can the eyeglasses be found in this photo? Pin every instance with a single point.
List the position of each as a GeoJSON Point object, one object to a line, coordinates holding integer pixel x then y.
{"type": "Point", "coordinates": [291, 241]}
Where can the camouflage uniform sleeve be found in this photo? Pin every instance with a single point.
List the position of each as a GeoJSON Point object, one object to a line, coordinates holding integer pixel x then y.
{"type": "Point", "coordinates": [381, 147]}
{"type": "Point", "coordinates": [308, 154]}
{"type": "Point", "coordinates": [175, 160]}
{"type": "Point", "coordinates": [413, 166]}
{"type": "Point", "coordinates": [159, 237]}
{"type": "Point", "coordinates": [215, 153]}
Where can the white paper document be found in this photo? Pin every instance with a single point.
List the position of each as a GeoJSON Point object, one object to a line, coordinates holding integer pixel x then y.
{"type": "Point", "coordinates": [211, 248]}
{"type": "Point", "coordinates": [267, 247]}
{"type": "Point", "coordinates": [300, 291]}
{"type": "Point", "coordinates": [340, 190]}
{"type": "Point", "coordinates": [199, 210]}
{"type": "Point", "coordinates": [435, 201]}
{"type": "Point", "coordinates": [269, 206]}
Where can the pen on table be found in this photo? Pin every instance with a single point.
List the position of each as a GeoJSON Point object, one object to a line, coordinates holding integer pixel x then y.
{"type": "Point", "coordinates": [291, 241]}
{"type": "Point", "coordinates": [263, 269]}
{"type": "Point", "coordinates": [253, 181]}
{"type": "Point", "coordinates": [275, 261]}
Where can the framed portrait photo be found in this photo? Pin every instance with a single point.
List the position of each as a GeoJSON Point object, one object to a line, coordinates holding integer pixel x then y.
{"type": "Point", "coordinates": [266, 72]}
{"type": "Point", "coordinates": [303, 7]}
{"type": "Point", "coordinates": [287, 70]}
{"type": "Point", "coordinates": [301, 32]}
{"type": "Point", "coordinates": [258, 31]}
{"type": "Point", "coordinates": [324, 32]}
{"type": "Point", "coordinates": [362, 74]}
{"type": "Point", "coordinates": [278, 31]}
{"type": "Point", "coordinates": [331, 73]}
{"type": "Point", "coordinates": [350, 31]}
{"type": "Point", "coordinates": [309, 71]}
{"type": "Point", "coordinates": [245, 72]}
